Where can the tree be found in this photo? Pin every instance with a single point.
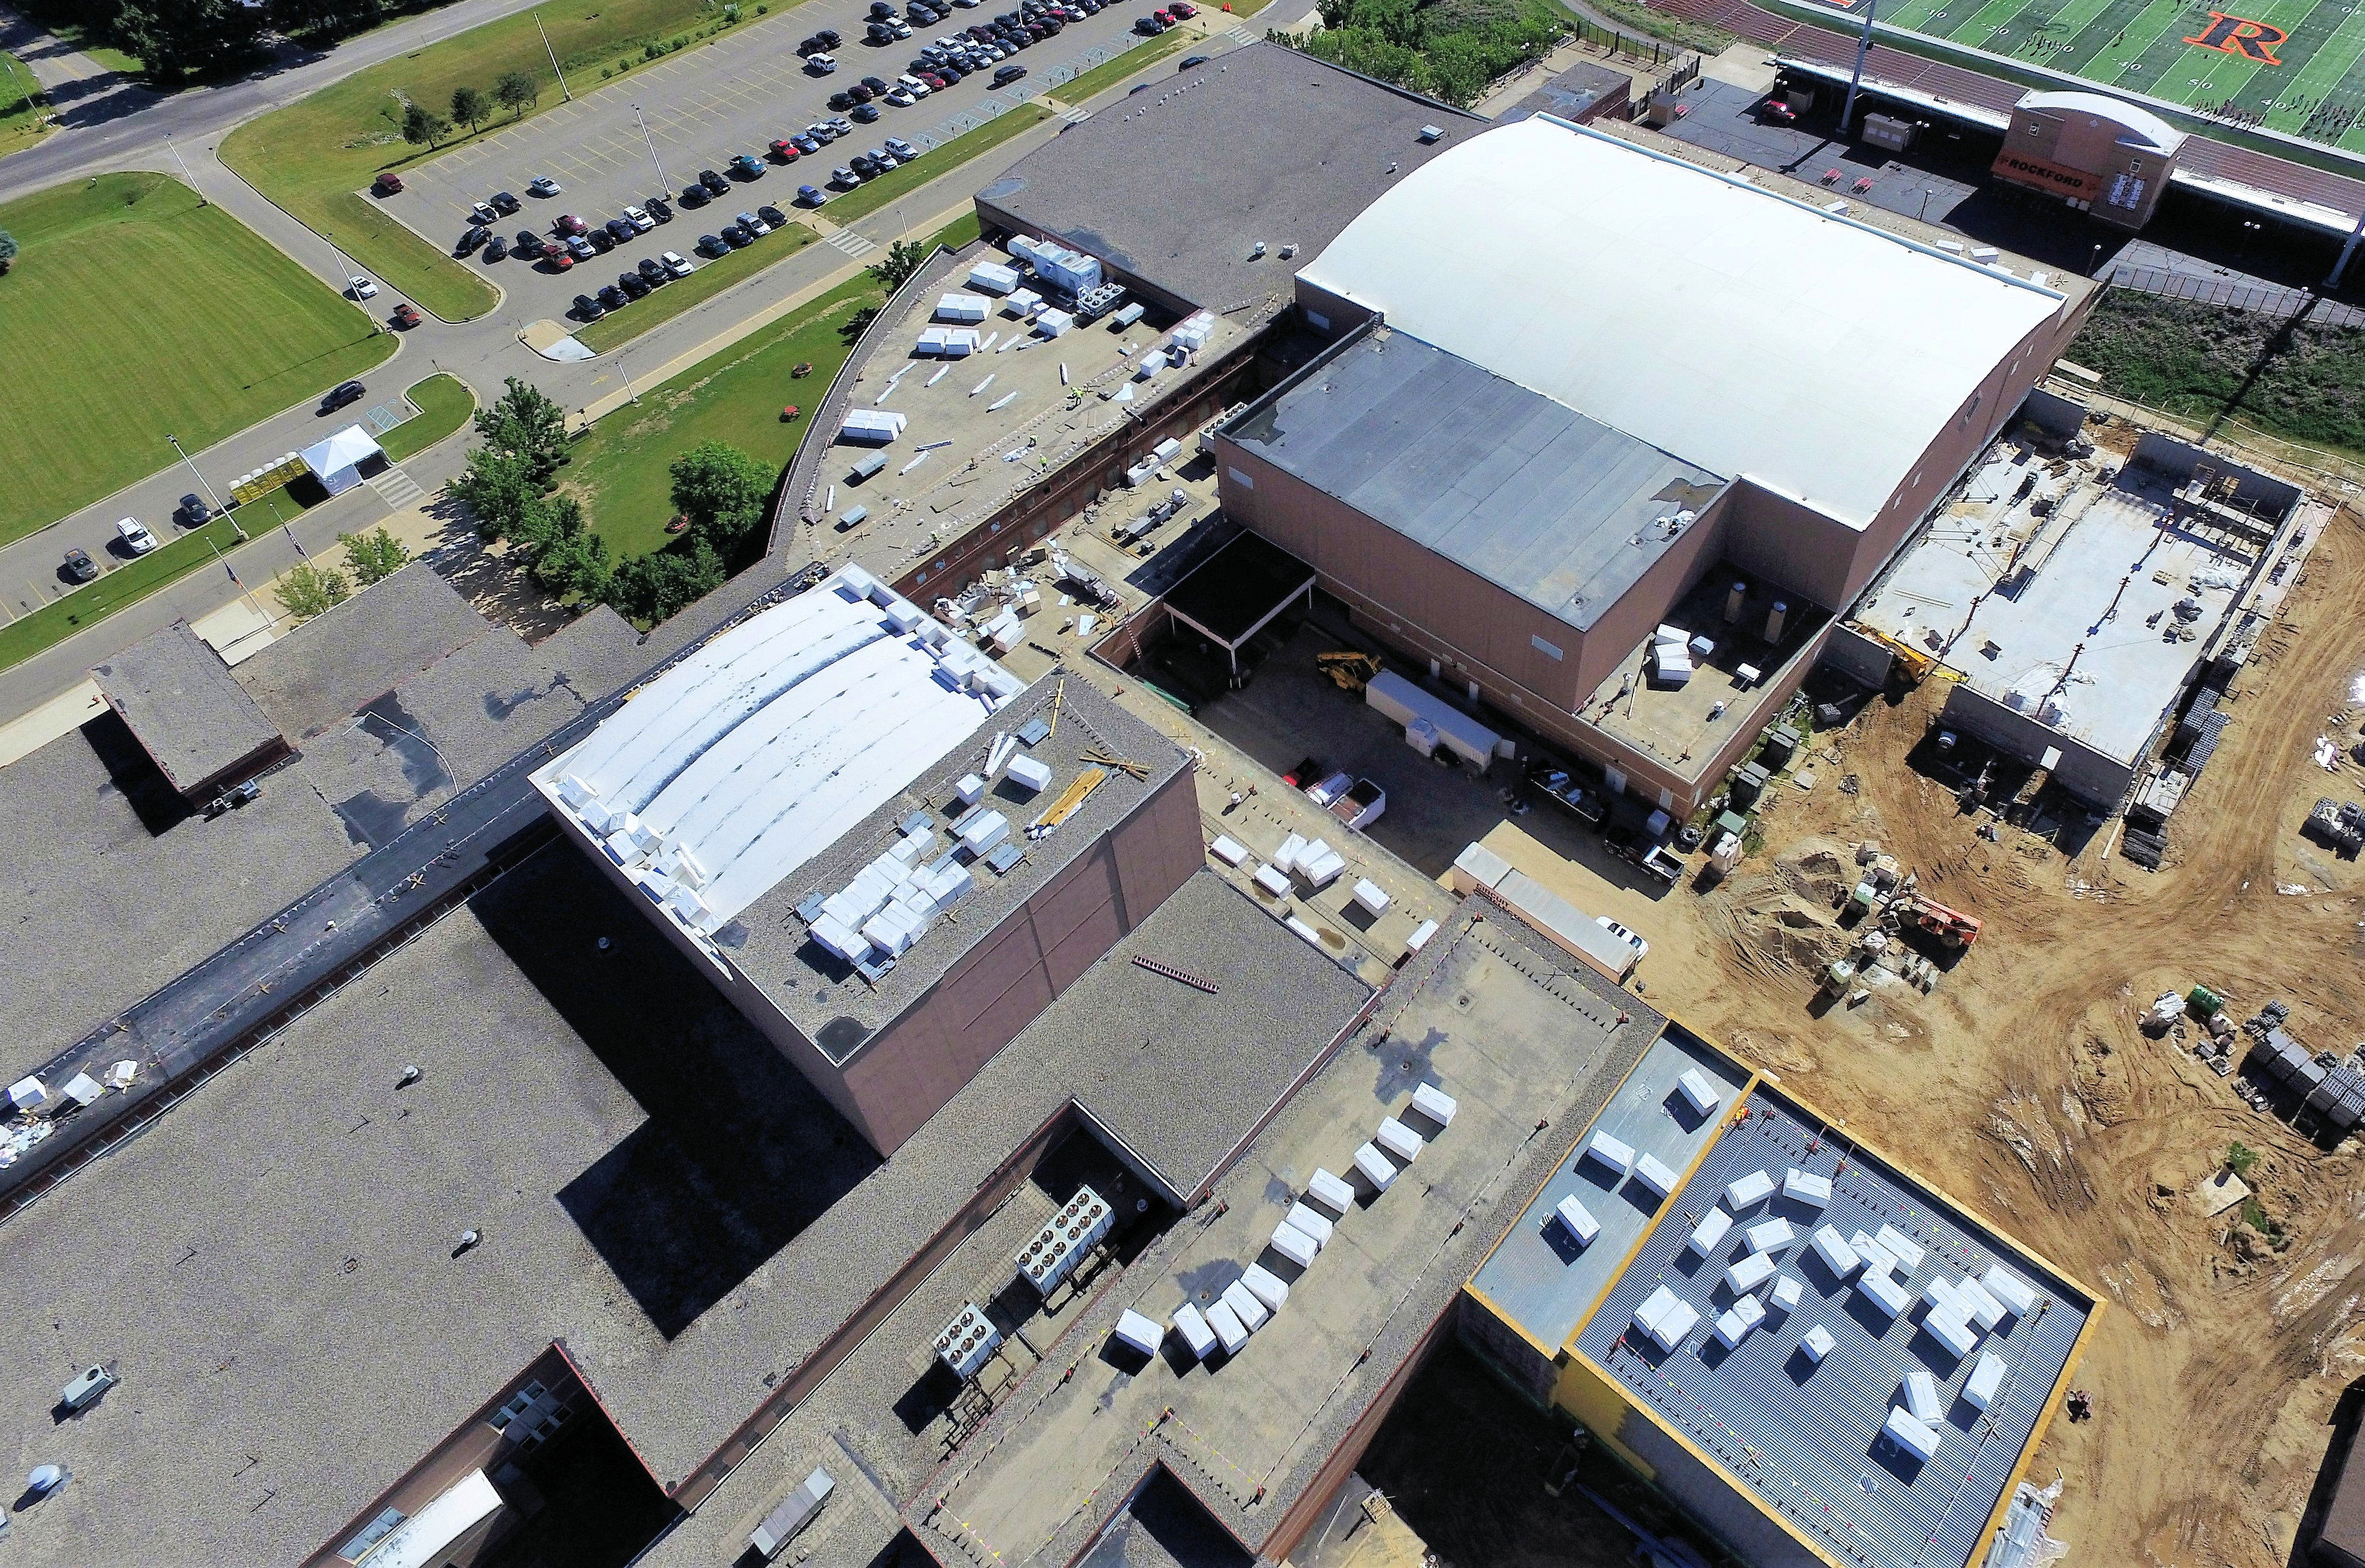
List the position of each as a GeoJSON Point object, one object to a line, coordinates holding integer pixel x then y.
{"type": "Point", "coordinates": [7, 252]}
{"type": "Point", "coordinates": [721, 489]}
{"type": "Point", "coordinates": [423, 127]}
{"type": "Point", "coordinates": [470, 108]}
{"type": "Point", "coordinates": [174, 39]}
{"type": "Point", "coordinates": [517, 91]}
{"type": "Point", "coordinates": [649, 589]}
{"type": "Point", "coordinates": [500, 488]}
{"type": "Point", "coordinates": [522, 420]}
{"type": "Point", "coordinates": [372, 557]}
{"type": "Point", "coordinates": [570, 559]}
{"type": "Point", "coordinates": [306, 591]}
{"type": "Point", "coordinates": [904, 258]}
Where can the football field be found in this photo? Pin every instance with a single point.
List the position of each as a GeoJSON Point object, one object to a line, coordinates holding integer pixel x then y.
{"type": "Point", "coordinates": [2290, 65]}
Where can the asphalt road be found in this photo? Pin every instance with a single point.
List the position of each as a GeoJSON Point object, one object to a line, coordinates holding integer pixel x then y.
{"type": "Point", "coordinates": [735, 94]}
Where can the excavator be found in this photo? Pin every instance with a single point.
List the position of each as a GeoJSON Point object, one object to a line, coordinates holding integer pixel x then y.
{"type": "Point", "coordinates": [1350, 671]}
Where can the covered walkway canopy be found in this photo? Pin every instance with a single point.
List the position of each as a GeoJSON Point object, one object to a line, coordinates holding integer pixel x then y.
{"type": "Point", "coordinates": [1236, 593]}
{"type": "Point", "coordinates": [337, 462]}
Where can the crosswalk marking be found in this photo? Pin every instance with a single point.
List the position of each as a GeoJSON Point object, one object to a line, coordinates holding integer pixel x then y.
{"type": "Point", "coordinates": [397, 488]}
{"type": "Point", "coordinates": [1077, 117]}
{"type": "Point", "coordinates": [853, 244]}
{"type": "Point", "coordinates": [1240, 35]}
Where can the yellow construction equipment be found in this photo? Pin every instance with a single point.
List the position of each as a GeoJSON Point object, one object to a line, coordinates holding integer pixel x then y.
{"type": "Point", "coordinates": [1911, 662]}
{"type": "Point", "coordinates": [1351, 671]}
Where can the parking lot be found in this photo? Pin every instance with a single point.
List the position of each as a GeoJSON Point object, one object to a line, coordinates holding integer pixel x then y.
{"type": "Point", "coordinates": [703, 107]}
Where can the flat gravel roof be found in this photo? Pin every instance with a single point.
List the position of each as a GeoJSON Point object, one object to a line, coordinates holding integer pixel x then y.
{"type": "Point", "coordinates": [180, 701]}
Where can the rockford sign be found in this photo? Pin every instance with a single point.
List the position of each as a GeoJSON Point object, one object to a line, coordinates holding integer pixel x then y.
{"type": "Point", "coordinates": [2043, 175]}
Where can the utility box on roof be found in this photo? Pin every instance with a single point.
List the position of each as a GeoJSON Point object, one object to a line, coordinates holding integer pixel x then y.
{"type": "Point", "coordinates": [795, 1512]}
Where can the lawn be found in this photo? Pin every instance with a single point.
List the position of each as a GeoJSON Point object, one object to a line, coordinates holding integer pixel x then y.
{"type": "Point", "coordinates": [873, 195]}
{"type": "Point", "coordinates": [711, 279]}
{"type": "Point", "coordinates": [444, 402]}
{"type": "Point", "coordinates": [93, 602]}
{"type": "Point", "coordinates": [313, 156]}
{"type": "Point", "coordinates": [619, 471]}
{"type": "Point", "coordinates": [103, 363]}
{"type": "Point", "coordinates": [1080, 88]}
{"type": "Point", "coordinates": [20, 116]}
{"type": "Point", "coordinates": [2198, 361]}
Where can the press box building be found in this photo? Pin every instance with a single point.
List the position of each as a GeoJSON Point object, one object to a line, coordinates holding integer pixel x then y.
{"type": "Point", "coordinates": [1586, 398]}
{"type": "Point", "coordinates": [829, 806]}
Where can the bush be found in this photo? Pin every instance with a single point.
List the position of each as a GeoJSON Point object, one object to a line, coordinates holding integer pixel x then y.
{"type": "Point", "coordinates": [2240, 1160]}
{"type": "Point", "coordinates": [306, 591]}
{"type": "Point", "coordinates": [605, 73]}
{"type": "Point", "coordinates": [374, 557]}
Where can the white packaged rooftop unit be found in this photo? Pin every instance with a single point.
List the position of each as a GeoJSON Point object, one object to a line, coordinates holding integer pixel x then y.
{"type": "Point", "coordinates": [1666, 1317]}
{"type": "Point", "coordinates": [795, 1512]}
{"type": "Point", "coordinates": [1061, 1245]}
{"type": "Point", "coordinates": [1577, 1220]}
{"type": "Point", "coordinates": [1982, 1308]}
{"type": "Point", "coordinates": [1030, 773]}
{"type": "Point", "coordinates": [1374, 1167]}
{"type": "Point", "coordinates": [1193, 1329]}
{"type": "Point", "coordinates": [1266, 1286]}
{"type": "Point", "coordinates": [1668, 636]}
{"type": "Point", "coordinates": [1703, 1094]}
{"type": "Point", "coordinates": [1922, 1396]}
{"type": "Point", "coordinates": [2016, 1297]}
{"type": "Point", "coordinates": [1052, 323]}
{"type": "Point", "coordinates": [1877, 1260]}
{"type": "Point", "coordinates": [1274, 881]}
{"type": "Point", "coordinates": [963, 307]}
{"type": "Point", "coordinates": [1787, 1295]}
{"type": "Point", "coordinates": [1435, 1104]}
{"type": "Point", "coordinates": [1330, 1192]}
{"type": "Point", "coordinates": [1311, 1223]}
{"type": "Point", "coordinates": [1320, 865]}
{"type": "Point", "coordinates": [1143, 1334]}
{"type": "Point", "coordinates": [1899, 1246]}
{"type": "Point", "coordinates": [1294, 1244]}
{"type": "Point", "coordinates": [1228, 850]}
{"type": "Point", "coordinates": [1229, 1327]}
{"type": "Point", "coordinates": [1254, 1314]}
{"type": "Point", "coordinates": [1884, 1291]}
{"type": "Point", "coordinates": [1615, 1153]}
{"type": "Point", "coordinates": [931, 340]}
{"type": "Point", "coordinates": [1836, 1254]}
{"type": "Point", "coordinates": [1750, 1272]}
{"type": "Point", "coordinates": [1708, 1232]}
{"type": "Point", "coordinates": [1805, 1187]}
{"type": "Point", "coordinates": [1754, 1188]}
{"type": "Point", "coordinates": [1986, 1380]}
{"type": "Point", "coordinates": [984, 834]}
{"type": "Point", "coordinates": [1402, 1143]}
{"type": "Point", "coordinates": [29, 1094]}
{"type": "Point", "coordinates": [1948, 1328]}
{"type": "Point", "coordinates": [968, 1342]}
{"type": "Point", "coordinates": [871, 427]}
{"type": "Point", "coordinates": [1653, 1172]}
{"type": "Point", "coordinates": [1284, 859]}
{"type": "Point", "coordinates": [1735, 1326]}
{"type": "Point", "coordinates": [1771, 1236]}
{"type": "Point", "coordinates": [1817, 1342]}
{"type": "Point", "coordinates": [1907, 1432]}
{"type": "Point", "coordinates": [993, 277]}
{"type": "Point", "coordinates": [1022, 302]}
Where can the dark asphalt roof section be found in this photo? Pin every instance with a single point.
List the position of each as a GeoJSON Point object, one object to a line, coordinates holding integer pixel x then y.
{"type": "Point", "coordinates": [814, 988]}
{"type": "Point", "coordinates": [325, 669]}
{"type": "Point", "coordinates": [1175, 184]}
{"type": "Point", "coordinates": [1246, 579]}
{"type": "Point", "coordinates": [1559, 509]}
{"type": "Point", "coordinates": [178, 697]}
{"type": "Point", "coordinates": [1570, 94]}
{"type": "Point", "coordinates": [597, 652]}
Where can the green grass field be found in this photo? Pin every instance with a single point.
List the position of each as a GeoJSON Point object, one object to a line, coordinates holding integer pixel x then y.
{"type": "Point", "coordinates": [619, 471]}
{"type": "Point", "coordinates": [2296, 65]}
{"type": "Point", "coordinates": [127, 584]}
{"type": "Point", "coordinates": [133, 313]}
{"type": "Point", "coordinates": [712, 278]}
{"type": "Point", "coordinates": [314, 156]}
{"type": "Point", "coordinates": [444, 402]}
{"type": "Point", "coordinates": [20, 115]}
{"type": "Point", "coordinates": [1080, 87]}
{"type": "Point", "coordinates": [870, 196]}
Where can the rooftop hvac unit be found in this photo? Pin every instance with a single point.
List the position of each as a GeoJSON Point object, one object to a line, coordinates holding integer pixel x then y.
{"type": "Point", "coordinates": [795, 1512]}
{"type": "Point", "coordinates": [968, 1342]}
{"type": "Point", "coordinates": [1063, 1243]}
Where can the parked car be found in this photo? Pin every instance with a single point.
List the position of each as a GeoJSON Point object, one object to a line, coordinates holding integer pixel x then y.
{"type": "Point", "coordinates": [405, 317]}
{"type": "Point", "coordinates": [1641, 948]}
{"type": "Point", "coordinates": [544, 186]}
{"type": "Point", "coordinates": [79, 566]}
{"type": "Point", "coordinates": [866, 114]}
{"type": "Point", "coordinates": [845, 177]}
{"type": "Point", "coordinates": [1007, 75]}
{"type": "Point", "coordinates": [1182, 10]}
{"type": "Point", "coordinates": [360, 288]}
{"type": "Point", "coordinates": [387, 184]}
{"type": "Point", "coordinates": [1192, 62]}
{"type": "Point", "coordinates": [773, 217]}
{"type": "Point", "coordinates": [558, 261]}
{"type": "Point", "coordinates": [753, 224]}
{"type": "Point", "coordinates": [655, 272]}
{"type": "Point", "coordinates": [134, 536]}
{"type": "Point", "coordinates": [195, 510]}
{"type": "Point", "coordinates": [821, 65]}
{"type": "Point", "coordinates": [913, 85]}
{"type": "Point", "coordinates": [807, 144]}
{"type": "Point", "coordinates": [904, 151]}
{"type": "Point", "coordinates": [785, 151]}
{"type": "Point", "coordinates": [809, 195]}
{"type": "Point", "coordinates": [342, 393]}
{"type": "Point", "coordinates": [497, 249]}
{"type": "Point", "coordinates": [675, 263]}
{"type": "Point", "coordinates": [620, 229]}
{"type": "Point", "coordinates": [566, 226]}
{"type": "Point", "coordinates": [747, 166]}
{"type": "Point", "coordinates": [506, 204]}
{"type": "Point", "coordinates": [695, 196]}
{"type": "Point", "coordinates": [588, 308]}
{"type": "Point", "coordinates": [715, 183]}
{"type": "Point", "coordinates": [713, 245]}
{"type": "Point", "coordinates": [1149, 26]}
{"type": "Point", "coordinates": [527, 243]}
{"type": "Point", "coordinates": [660, 209]}
{"type": "Point", "coordinates": [634, 286]}
{"type": "Point", "coordinates": [476, 235]}
{"type": "Point", "coordinates": [641, 221]}
{"type": "Point", "coordinates": [738, 239]}
{"type": "Point", "coordinates": [581, 247]}
{"type": "Point", "coordinates": [601, 240]}
{"type": "Point", "coordinates": [900, 97]}
{"type": "Point", "coordinates": [614, 296]}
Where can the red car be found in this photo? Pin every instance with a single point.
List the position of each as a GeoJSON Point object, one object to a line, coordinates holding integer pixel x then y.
{"type": "Point", "coordinates": [568, 226]}
{"type": "Point", "coordinates": [559, 259]}
{"type": "Point", "coordinates": [1777, 111]}
{"type": "Point", "coordinates": [1183, 10]}
{"type": "Point", "coordinates": [405, 315]}
{"type": "Point", "coordinates": [786, 152]}
{"type": "Point", "coordinates": [386, 184]}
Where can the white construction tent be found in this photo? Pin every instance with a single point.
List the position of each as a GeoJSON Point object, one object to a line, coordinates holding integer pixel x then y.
{"type": "Point", "coordinates": [337, 462]}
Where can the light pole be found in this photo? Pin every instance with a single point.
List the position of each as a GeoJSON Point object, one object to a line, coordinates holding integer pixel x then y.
{"type": "Point", "coordinates": [628, 382]}
{"type": "Point", "coordinates": [664, 187]}
{"type": "Point", "coordinates": [555, 71]}
{"type": "Point", "coordinates": [2347, 251]}
{"type": "Point", "coordinates": [1863, 47]}
{"type": "Point", "coordinates": [184, 162]}
{"type": "Point", "coordinates": [2094, 262]}
{"type": "Point", "coordinates": [1926, 195]}
{"type": "Point", "coordinates": [207, 487]}
{"type": "Point", "coordinates": [345, 265]}
{"type": "Point", "coordinates": [20, 93]}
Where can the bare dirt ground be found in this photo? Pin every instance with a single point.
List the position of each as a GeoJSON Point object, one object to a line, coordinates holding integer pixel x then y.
{"type": "Point", "coordinates": [2022, 1085]}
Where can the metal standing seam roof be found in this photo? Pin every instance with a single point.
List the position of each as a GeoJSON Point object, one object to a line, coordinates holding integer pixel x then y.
{"type": "Point", "coordinates": [2143, 128]}
{"type": "Point", "coordinates": [1754, 334]}
{"type": "Point", "coordinates": [756, 753]}
{"type": "Point", "coordinates": [1559, 509]}
{"type": "Point", "coordinates": [1810, 1431]}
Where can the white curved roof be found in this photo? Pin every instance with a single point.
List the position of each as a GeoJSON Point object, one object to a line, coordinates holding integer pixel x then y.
{"type": "Point", "coordinates": [2141, 125]}
{"type": "Point", "coordinates": [1740, 330]}
{"type": "Point", "coordinates": [754, 753]}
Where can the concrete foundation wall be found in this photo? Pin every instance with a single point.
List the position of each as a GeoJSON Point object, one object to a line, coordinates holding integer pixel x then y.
{"type": "Point", "coordinates": [1858, 656]}
{"type": "Point", "coordinates": [2084, 772]}
{"type": "Point", "coordinates": [2177, 459]}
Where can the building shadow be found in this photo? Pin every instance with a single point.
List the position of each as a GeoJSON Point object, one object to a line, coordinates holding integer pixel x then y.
{"type": "Point", "coordinates": [739, 1153]}
{"type": "Point", "coordinates": [134, 776]}
{"type": "Point", "coordinates": [2348, 1417]}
